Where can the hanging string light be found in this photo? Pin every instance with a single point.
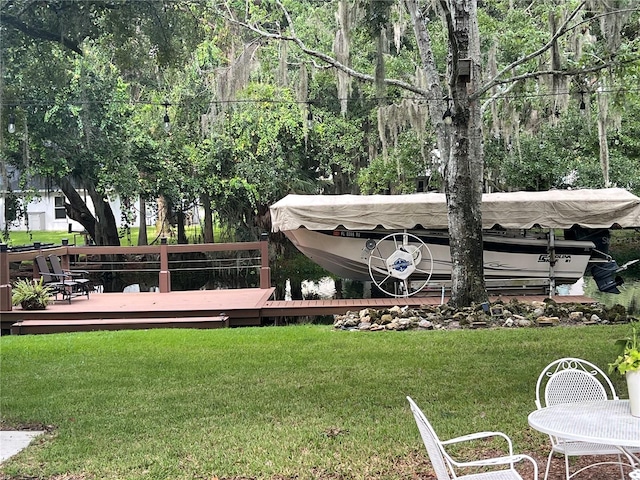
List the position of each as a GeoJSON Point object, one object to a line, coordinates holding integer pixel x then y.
{"type": "Point", "coordinates": [167, 123]}
{"type": "Point", "coordinates": [447, 117]}
{"type": "Point", "coordinates": [583, 105]}
{"type": "Point", "coordinates": [11, 127]}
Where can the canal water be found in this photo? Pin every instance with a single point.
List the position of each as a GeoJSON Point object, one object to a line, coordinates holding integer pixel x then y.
{"type": "Point", "coordinates": [629, 295]}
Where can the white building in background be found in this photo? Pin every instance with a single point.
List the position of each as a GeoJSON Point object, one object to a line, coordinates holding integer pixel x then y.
{"type": "Point", "coordinates": [46, 211]}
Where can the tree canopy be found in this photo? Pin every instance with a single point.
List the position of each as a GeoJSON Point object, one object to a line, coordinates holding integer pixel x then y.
{"type": "Point", "coordinates": [270, 97]}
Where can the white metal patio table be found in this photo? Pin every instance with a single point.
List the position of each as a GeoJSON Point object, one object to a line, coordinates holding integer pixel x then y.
{"type": "Point", "coordinates": [607, 421]}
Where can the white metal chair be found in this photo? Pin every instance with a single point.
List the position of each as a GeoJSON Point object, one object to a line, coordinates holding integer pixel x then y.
{"type": "Point", "coordinates": [571, 380]}
{"type": "Point", "coordinates": [445, 465]}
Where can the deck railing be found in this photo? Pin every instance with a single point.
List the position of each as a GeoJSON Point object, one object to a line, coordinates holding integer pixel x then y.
{"type": "Point", "coordinates": [68, 252]}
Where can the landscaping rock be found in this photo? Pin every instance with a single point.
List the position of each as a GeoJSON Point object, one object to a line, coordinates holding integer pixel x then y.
{"type": "Point", "coordinates": [576, 316]}
{"type": "Point", "coordinates": [514, 314]}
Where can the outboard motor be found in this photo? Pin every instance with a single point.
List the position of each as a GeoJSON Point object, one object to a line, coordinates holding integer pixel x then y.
{"type": "Point", "coordinates": [605, 276]}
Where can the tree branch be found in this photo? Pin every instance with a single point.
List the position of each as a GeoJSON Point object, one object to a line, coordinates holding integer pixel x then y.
{"type": "Point", "coordinates": [564, 28]}
{"type": "Point", "coordinates": [561, 31]}
{"type": "Point", "coordinates": [566, 73]}
{"type": "Point", "coordinates": [451, 35]}
{"type": "Point", "coordinates": [41, 34]}
{"type": "Point", "coordinates": [497, 95]}
{"type": "Point", "coordinates": [328, 59]}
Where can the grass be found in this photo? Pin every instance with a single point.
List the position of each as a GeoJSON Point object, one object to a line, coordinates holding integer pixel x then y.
{"type": "Point", "coordinates": [18, 238]}
{"type": "Point", "coordinates": [273, 402]}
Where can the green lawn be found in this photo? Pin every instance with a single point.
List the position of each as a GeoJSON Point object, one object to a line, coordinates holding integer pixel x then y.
{"type": "Point", "coordinates": [273, 402]}
{"type": "Point", "coordinates": [17, 238]}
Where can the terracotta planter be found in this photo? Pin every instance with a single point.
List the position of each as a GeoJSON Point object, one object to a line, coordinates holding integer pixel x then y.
{"type": "Point", "coordinates": [633, 384]}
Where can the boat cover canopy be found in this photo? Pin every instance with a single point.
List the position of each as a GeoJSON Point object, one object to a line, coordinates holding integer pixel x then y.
{"type": "Point", "coordinates": [597, 208]}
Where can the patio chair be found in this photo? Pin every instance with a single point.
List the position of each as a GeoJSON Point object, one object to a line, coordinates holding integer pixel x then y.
{"type": "Point", "coordinates": [571, 380]}
{"type": "Point", "coordinates": [447, 468]}
{"type": "Point", "coordinates": [59, 285]}
{"type": "Point", "coordinates": [75, 275]}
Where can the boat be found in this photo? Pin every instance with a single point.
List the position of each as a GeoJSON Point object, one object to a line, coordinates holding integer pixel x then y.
{"type": "Point", "coordinates": [401, 243]}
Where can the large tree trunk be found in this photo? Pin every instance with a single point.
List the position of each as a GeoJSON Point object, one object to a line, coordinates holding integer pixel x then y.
{"type": "Point", "coordinates": [106, 226]}
{"type": "Point", "coordinates": [102, 227]}
{"type": "Point", "coordinates": [142, 232]}
{"type": "Point", "coordinates": [76, 207]}
{"type": "Point", "coordinates": [163, 226]}
{"type": "Point", "coordinates": [460, 144]}
{"type": "Point", "coordinates": [463, 189]}
{"type": "Point", "coordinates": [464, 167]}
{"type": "Point", "coordinates": [182, 236]}
{"type": "Point", "coordinates": [205, 199]}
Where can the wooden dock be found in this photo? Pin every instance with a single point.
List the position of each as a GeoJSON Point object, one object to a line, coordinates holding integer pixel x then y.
{"type": "Point", "coordinates": [195, 309]}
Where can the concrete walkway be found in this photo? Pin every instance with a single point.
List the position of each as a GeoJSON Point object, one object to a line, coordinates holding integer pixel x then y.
{"type": "Point", "coordinates": [12, 443]}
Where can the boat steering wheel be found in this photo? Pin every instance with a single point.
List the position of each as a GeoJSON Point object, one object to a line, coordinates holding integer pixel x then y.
{"type": "Point", "coordinates": [400, 264]}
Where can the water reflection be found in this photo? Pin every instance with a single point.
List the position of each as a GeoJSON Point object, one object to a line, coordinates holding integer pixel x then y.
{"type": "Point", "coordinates": [629, 295]}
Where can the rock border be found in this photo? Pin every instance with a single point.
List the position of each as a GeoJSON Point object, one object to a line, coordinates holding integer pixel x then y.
{"type": "Point", "coordinates": [511, 314]}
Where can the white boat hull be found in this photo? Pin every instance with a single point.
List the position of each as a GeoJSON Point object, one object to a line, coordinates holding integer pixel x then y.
{"type": "Point", "coordinates": [345, 254]}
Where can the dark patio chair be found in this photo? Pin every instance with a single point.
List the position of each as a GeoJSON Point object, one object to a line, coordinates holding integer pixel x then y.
{"type": "Point", "coordinates": [60, 284]}
{"type": "Point", "coordinates": [54, 282]}
{"type": "Point", "coordinates": [77, 276]}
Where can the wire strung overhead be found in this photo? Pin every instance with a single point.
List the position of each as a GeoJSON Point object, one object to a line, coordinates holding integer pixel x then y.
{"type": "Point", "coordinates": [510, 96]}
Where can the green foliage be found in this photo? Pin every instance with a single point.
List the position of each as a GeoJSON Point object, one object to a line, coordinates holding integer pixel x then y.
{"type": "Point", "coordinates": [288, 263]}
{"type": "Point", "coordinates": [31, 294]}
{"type": "Point", "coordinates": [397, 173]}
{"type": "Point", "coordinates": [526, 32]}
{"type": "Point", "coordinates": [377, 15]}
{"type": "Point", "coordinates": [13, 210]}
{"type": "Point", "coordinates": [629, 358]}
{"type": "Point", "coordinates": [169, 28]}
{"type": "Point", "coordinates": [72, 118]}
{"type": "Point", "coordinates": [256, 157]}
{"type": "Point", "coordinates": [565, 155]}
{"type": "Point", "coordinates": [338, 148]}
{"type": "Point", "coordinates": [378, 177]}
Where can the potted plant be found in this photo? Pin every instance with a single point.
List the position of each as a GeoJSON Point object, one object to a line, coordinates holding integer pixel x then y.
{"type": "Point", "coordinates": [628, 364]}
{"type": "Point", "coordinates": [31, 294]}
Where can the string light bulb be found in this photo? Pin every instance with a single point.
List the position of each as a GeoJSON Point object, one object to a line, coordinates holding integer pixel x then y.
{"type": "Point", "coordinates": [167, 122]}
{"type": "Point", "coordinates": [12, 123]}
{"type": "Point", "coordinates": [583, 105]}
{"type": "Point", "coordinates": [447, 116]}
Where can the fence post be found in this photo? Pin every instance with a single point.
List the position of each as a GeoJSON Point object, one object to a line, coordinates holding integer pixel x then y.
{"type": "Point", "coordinates": [265, 271]}
{"type": "Point", "coordinates": [5, 281]}
{"type": "Point", "coordinates": [64, 259]}
{"type": "Point", "coordinates": [164, 280]}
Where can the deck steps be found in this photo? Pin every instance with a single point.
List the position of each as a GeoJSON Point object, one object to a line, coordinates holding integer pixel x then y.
{"type": "Point", "coordinates": [27, 327]}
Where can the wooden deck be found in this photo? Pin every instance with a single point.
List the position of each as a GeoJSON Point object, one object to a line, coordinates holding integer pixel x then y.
{"type": "Point", "coordinates": [241, 306]}
{"type": "Point", "coordinates": [194, 309]}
